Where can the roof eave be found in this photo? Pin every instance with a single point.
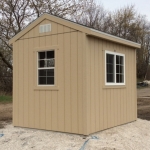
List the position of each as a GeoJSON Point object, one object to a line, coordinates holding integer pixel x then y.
{"type": "Point", "coordinates": [112, 38]}
{"type": "Point", "coordinates": [87, 30]}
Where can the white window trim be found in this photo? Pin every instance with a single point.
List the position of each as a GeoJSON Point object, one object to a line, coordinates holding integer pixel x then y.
{"type": "Point", "coordinates": [114, 53]}
{"type": "Point", "coordinates": [43, 69]}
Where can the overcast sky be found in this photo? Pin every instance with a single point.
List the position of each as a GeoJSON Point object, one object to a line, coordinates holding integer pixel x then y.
{"type": "Point", "coordinates": [142, 6]}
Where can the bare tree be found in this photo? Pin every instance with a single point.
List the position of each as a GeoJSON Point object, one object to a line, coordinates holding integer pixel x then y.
{"type": "Point", "coordinates": [61, 8]}
{"type": "Point", "coordinates": [128, 24]}
{"type": "Point", "coordinates": [16, 14]}
{"type": "Point", "coordinates": [13, 17]}
{"type": "Point", "coordinates": [93, 15]}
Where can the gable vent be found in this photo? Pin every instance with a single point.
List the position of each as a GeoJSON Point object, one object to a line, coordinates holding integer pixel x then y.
{"type": "Point", "coordinates": [45, 28]}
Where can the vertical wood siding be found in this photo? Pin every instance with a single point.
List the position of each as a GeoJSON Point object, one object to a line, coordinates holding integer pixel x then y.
{"type": "Point", "coordinates": [60, 110]}
{"type": "Point", "coordinates": [109, 107]}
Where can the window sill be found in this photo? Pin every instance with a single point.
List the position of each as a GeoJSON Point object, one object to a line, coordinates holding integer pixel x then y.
{"type": "Point", "coordinates": [46, 88]}
{"type": "Point", "coordinates": [114, 86]}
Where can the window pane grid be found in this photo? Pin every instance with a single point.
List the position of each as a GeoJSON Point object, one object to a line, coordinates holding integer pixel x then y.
{"type": "Point", "coordinates": [46, 68]}
{"type": "Point", "coordinates": [119, 69]}
{"type": "Point", "coordinates": [115, 68]}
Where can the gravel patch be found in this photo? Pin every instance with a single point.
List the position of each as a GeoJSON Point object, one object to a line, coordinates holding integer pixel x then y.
{"type": "Point", "coordinates": [135, 135]}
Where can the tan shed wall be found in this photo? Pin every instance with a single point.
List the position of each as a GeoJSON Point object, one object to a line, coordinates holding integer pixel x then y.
{"type": "Point", "coordinates": [109, 106]}
{"type": "Point", "coordinates": [58, 109]}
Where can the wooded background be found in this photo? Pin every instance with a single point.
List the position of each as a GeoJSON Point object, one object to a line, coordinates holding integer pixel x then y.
{"type": "Point", "coordinates": [126, 23]}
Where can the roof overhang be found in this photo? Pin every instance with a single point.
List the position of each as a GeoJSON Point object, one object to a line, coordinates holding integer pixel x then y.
{"type": "Point", "coordinates": [78, 27]}
{"type": "Point", "coordinates": [112, 38]}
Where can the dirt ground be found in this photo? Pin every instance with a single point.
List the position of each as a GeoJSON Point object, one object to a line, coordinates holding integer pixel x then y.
{"type": "Point", "coordinates": [143, 92]}
{"type": "Point", "coordinates": [5, 113]}
{"type": "Point", "coordinates": [143, 107]}
{"type": "Point", "coordinates": [143, 103]}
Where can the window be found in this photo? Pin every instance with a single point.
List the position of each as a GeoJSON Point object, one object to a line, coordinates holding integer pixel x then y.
{"type": "Point", "coordinates": [115, 68]}
{"type": "Point", "coordinates": [46, 67]}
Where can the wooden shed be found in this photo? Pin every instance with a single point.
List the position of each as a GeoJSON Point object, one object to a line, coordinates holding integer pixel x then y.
{"type": "Point", "coordinates": [71, 78]}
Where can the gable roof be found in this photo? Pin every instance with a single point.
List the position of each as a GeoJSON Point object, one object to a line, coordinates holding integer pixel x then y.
{"type": "Point", "coordinates": [76, 26]}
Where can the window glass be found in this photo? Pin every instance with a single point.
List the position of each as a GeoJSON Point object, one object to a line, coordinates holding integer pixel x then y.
{"type": "Point", "coordinates": [50, 80]}
{"type": "Point", "coordinates": [50, 54]}
{"type": "Point", "coordinates": [110, 67]}
{"type": "Point", "coordinates": [42, 80]}
{"type": "Point", "coordinates": [42, 63]}
{"type": "Point", "coordinates": [50, 72]}
{"type": "Point", "coordinates": [121, 60]}
{"type": "Point", "coordinates": [110, 59]}
{"type": "Point", "coordinates": [121, 69]}
{"type": "Point", "coordinates": [42, 73]}
{"type": "Point", "coordinates": [42, 55]}
{"type": "Point", "coordinates": [110, 78]}
{"type": "Point", "coordinates": [50, 62]}
{"type": "Point", "coordinates": [117, 60]}
{"type": "Point", "coordinates": [117, 69]}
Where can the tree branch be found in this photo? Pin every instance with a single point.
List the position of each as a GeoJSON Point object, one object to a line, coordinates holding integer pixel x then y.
{"type": "Point", "coordinates": [5, 61]}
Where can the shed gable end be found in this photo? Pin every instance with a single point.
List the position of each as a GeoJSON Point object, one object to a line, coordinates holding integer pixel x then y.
{"type": "Point", "coordinates": [56, 28]}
